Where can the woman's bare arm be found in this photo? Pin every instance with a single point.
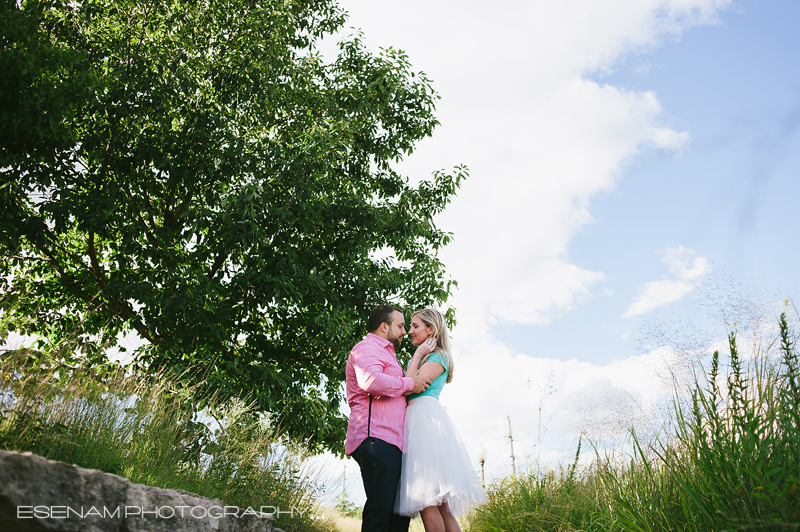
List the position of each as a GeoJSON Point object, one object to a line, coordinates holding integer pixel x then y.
{"type": "Point", "coordinates": [431, 369]}
{"type": "Point", "coordinates": [424, 348]}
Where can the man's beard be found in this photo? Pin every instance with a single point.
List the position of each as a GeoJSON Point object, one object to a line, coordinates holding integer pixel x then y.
{"type": "Point", "coordinates": [396, 342]}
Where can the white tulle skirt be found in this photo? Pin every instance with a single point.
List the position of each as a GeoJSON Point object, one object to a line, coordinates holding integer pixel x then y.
{"type": "Point", "coordinates": [436, 466]}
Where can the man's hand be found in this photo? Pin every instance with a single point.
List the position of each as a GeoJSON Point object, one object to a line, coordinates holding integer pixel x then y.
{"type": "Point", "coordinates": [420, 384]}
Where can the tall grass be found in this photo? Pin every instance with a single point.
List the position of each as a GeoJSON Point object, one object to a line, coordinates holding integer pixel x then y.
{"type": "Point", "coordinates": [150, 431]}
{"type": "Point", "coordinates": [543, 500]}
{"type": "Point", "coordinates": [735, 461]}
{"type": "Point", "coordinates": [731, 461]}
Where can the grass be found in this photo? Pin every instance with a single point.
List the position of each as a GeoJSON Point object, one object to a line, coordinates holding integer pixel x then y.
{"type": "Point", "coordinates": [730, 461]}
{"type": "Point", "coordinates": [151, 432]}
{"type": "Point", "coordinates": [544, 499]}
{"type": "Point", "coordinates": [347, 524]}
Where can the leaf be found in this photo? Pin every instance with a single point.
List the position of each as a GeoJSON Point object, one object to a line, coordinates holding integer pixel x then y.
{"type": "Point", "coordinates": [195, 175]}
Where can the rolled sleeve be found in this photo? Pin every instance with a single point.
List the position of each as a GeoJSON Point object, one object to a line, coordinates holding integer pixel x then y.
{"type": "Point", "coordinates": [376, 390]}
{"type": "Point", "coordinates": [369, 370]}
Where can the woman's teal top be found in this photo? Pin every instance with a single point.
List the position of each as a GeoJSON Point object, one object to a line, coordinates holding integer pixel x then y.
{"type": "Point", "coordinates": [438, 383]}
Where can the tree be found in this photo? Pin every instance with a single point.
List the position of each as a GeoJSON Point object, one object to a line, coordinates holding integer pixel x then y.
{"type": "Point", "coordinates": [198, 174]}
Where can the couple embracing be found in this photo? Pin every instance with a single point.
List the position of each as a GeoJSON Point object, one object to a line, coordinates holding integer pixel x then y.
{"type": "Point", "coordinates": [412, 460]}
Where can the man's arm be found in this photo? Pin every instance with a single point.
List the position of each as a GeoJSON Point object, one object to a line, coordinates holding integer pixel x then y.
{"type": "Point", "coordinates": [421, 383]}
{"type": "Point", "coordinates": [372, 379]}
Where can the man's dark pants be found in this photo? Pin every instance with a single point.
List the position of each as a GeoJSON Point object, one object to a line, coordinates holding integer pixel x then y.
{"type": "Point", "coordinates": [380, 464]}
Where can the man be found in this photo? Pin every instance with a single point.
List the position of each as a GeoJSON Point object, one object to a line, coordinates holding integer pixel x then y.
{"type": "Point", "coordinates": [375, 392]}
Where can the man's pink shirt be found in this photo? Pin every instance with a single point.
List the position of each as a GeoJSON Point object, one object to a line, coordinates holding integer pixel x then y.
{"type": "Point", "coordinates": [373, 370]}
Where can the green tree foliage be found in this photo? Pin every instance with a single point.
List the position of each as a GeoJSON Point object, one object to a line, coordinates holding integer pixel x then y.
{"type": "Point", "coordinates": [195, 172]}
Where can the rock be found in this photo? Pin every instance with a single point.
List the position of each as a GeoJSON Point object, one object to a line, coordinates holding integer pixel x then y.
{"type": "Point", "coordinates": [37, 494]}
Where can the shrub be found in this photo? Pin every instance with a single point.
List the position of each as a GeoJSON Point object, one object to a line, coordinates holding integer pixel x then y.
{"type": "Point", "coordinates": [148, 430]}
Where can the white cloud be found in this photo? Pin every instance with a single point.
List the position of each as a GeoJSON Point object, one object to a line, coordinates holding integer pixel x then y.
{"type": "Point", "coordinates": [492, 383]}
{"type": "Point", "coordinates": [685, 270]}
{"type": "Point", "coordinates": [669, 139]}
{"type": "Point", "coordinates": [540, 139]}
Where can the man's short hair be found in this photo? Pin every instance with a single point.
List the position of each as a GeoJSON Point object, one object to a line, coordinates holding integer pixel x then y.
{"type": "Point", "coordinates": [380, 314]}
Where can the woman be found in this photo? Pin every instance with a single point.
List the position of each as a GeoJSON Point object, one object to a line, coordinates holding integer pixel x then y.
{"type": "Point", "coordinates": [437, 479]}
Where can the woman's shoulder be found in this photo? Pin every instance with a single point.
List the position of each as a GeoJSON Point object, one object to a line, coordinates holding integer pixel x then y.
{"type": "Point", "coordinates": [439, 356]}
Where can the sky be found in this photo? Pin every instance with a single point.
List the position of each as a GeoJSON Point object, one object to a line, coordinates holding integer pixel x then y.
{"type": "Point", "coordinates": [633, 174]}
{"type": "Point", "coordinates": [632, 163]}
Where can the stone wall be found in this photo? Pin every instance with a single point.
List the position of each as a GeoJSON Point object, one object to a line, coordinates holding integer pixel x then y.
{"type": "Point", "coordinates": [37, 494]}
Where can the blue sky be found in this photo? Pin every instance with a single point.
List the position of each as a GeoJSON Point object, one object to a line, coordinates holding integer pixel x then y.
{"type": "Point", "coordinates": [618, 151]}
{"type": "Point", "coordinates": [623, 154]}
{"type": "Point", "coordinates": [729, 195]}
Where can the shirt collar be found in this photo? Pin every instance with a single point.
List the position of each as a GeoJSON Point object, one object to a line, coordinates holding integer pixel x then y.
{"type": "Point", "coordinates": [382, 342]}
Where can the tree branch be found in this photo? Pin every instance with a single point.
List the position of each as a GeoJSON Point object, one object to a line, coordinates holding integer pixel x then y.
{"type": "Point", "coordinates": [113, 305]}
{"type": "Point", "coordinates": [98, 273]}
{"type": "Point", "coordinates": [22, 257]}
{"type": "Point", "coordinates": [148, 231]}
{"type": "Point", "coordinates": [218, 262]}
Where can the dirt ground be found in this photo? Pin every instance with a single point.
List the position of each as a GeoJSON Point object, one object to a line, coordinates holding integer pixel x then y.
{"type": "Point", "coordinates": [351, 524]}
{"type": "Point", "coordinates": [347, 524]}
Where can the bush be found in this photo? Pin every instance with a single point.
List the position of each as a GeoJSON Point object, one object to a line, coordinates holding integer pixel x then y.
{"type": "Point", "coordinates": [730, 461]}
{"type": "Point", "coordinates": [149, 431]}
{"type": "Point", "coordinates": [734, 462]}
{"type": "Point", "coordinates": [543, 499]}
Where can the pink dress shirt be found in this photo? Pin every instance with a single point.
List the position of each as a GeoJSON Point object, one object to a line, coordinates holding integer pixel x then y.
{"type": "Point", "coordinates": [373, 371]}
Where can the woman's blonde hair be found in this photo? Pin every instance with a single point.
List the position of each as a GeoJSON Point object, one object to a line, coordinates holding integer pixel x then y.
{"type": "Point", "coordinates": [434, 319]}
